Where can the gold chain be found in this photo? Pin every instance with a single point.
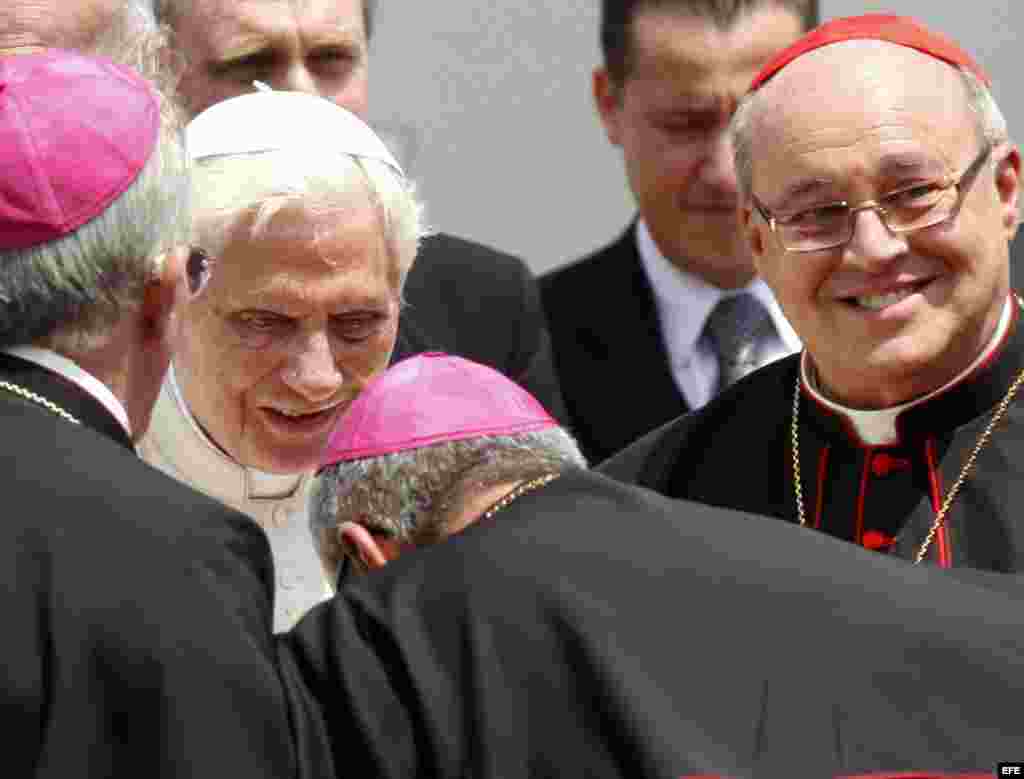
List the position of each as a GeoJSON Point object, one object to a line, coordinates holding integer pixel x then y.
{"type": "Point", "coordinates": [522, 489]}
{"type": "Point", "coordinates": [38, 399]}
{"type": "Point", "coordinates": [940, 515]}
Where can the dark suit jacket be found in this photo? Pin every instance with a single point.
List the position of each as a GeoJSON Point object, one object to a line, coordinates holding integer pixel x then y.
{"type": "Point", "coordinates": [136, 612]}
{"type": "Point", "coordinates": [609, 351]}
{"type": "Point", "coordinates": [595, 629]}
{"type": "Point", "coordinates": [473, 301]}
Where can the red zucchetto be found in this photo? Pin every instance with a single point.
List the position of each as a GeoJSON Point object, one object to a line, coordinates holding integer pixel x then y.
{"type": "Point", "coordinates": [901, 30]}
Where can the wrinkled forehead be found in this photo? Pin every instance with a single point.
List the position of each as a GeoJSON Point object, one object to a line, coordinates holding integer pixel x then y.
{"type": "Point", "coordinates": [319, 226]}
{"type": "Point", "coordinates": [249, 12]}
{"type": "Point", "coordinates": [859, 87]}
{"type": "Point", "coordinates": [310, 220]}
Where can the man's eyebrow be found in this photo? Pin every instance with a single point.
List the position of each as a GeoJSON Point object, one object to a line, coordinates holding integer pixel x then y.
{"type": "Point", "coordinates": [910, 162]}
{"type": "Point", "coordinates": [337, 35]}
{"type": "Point", "coordinates": [896, 164]}
{"type": "Point", "coordinates": [803, 188]}
{"type": "Point", "coordinates": [241, 50]}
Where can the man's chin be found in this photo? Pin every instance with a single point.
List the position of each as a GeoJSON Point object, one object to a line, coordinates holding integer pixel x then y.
{"type": "Point", "coordinates": [723, 262]}
{"type": "Point", "coordinates": [285, 463]}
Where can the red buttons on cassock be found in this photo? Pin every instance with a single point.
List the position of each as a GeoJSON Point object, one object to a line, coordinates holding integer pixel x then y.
{"type": "Point", "coordinates": [883, 463]}
{"type": "Point", "coordinates": [876, 540]}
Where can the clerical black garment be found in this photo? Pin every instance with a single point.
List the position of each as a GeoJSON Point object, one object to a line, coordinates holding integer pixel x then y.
{"type": "Point", "coordinates": [136, 612]}
{"type": "Point", "coordinates": [593, 629]}
{"type": "Point", "coordinates": [737, 452]}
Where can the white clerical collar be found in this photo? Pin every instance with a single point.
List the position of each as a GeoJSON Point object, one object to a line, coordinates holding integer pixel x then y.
{"type": "Point", "coordinates": [877, 427]}
{"type": "Point", "coordinates": [70, 370]}
{"type": "Point", "coordinates": [259, 485]}
{"type": "Point", "coordinates": [687, 299]}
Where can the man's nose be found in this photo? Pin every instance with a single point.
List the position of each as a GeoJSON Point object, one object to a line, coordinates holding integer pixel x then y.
{"type": "Point", "coordinates": [297, 78]}
{"type": "Point", "coordinates": [718, 169]}
{"type": "Point", "coordinates": [872, 243]}
{"type": "Point", "coordinates": [312, 371]}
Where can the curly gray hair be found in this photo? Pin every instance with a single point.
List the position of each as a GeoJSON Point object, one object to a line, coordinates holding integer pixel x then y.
{"type": "Point", "coordinates": [413, 496]}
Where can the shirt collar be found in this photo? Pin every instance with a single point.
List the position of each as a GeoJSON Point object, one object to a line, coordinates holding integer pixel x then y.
{"type": "Point", "coordinates": [877, 427]}
{"type": "Point", "coordinates": [688, 299]}
{"type": "Point", "coordinates": [70, 370]}
{"type": "Point", "coordinates": [259, 485]}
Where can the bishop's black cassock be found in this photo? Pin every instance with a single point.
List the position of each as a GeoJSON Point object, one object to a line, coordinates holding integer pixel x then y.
{"type": "Point", "coordinates": [594, 629]}
{"type": "Point", "coordinates": [737, 453]}
{"type": "Point", "coordinates": [136, 612]}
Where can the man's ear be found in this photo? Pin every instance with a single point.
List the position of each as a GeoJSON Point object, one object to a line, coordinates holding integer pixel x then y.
{"type": "Point", "coordinates": [752, 228]}
{"type": "Point", "coordinates": [373, 554]}
{"type": "Point", "coordinates": [1007, 178]}
{"type": "Point", "coordinates": [165, 294]}
{"type": "Point", "coordinates": [608, 101]}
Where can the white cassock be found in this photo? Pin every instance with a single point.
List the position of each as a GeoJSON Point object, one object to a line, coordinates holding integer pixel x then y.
{"type": "Point", "coordinates": [178, 446]}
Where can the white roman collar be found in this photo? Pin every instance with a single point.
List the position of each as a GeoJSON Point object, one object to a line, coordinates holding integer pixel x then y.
{"type": "Point", "coordinates": [877, 427]}
{"type": "Point", "coordinates": [71, 371]}
{"type": "Point", "coordinates": [258, 485]}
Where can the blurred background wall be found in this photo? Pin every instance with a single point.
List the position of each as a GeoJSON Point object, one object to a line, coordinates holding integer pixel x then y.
{"type": "Point", "coordinates": [489, 104]}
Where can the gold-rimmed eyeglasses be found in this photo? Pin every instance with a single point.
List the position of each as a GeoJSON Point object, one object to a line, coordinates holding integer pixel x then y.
{"type": "Point", "coordinates": [903, 211]}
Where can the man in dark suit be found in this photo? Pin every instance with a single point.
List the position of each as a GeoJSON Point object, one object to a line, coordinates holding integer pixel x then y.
{"type": "Point", "coordinates": [659, 321]}
{"type": "Point", "coordinates": [136, 611]}
{"type": "Point", "coordinates": [468, 299]}
{"type": "Point", "coordinates": [463, 297]}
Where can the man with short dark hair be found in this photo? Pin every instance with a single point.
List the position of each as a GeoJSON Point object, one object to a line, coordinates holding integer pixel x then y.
{"type": "Point", "coordinates": [880, 191]}
{"type": "Point", "coordinates": [671, 311]}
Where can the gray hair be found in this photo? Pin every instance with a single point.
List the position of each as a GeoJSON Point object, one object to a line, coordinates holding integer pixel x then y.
{"type": "Point", "coordinates": [259, 184]}
{"type": "Point", "coordinates": [413, 496]}
{"type": "Point", "coordinates": [990, 122]}
{"type": "Point", "coordinates": [68, 293]}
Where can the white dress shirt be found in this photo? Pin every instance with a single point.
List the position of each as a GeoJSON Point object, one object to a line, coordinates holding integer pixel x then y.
{"type": "Point", "coordinates": [683, 302]}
